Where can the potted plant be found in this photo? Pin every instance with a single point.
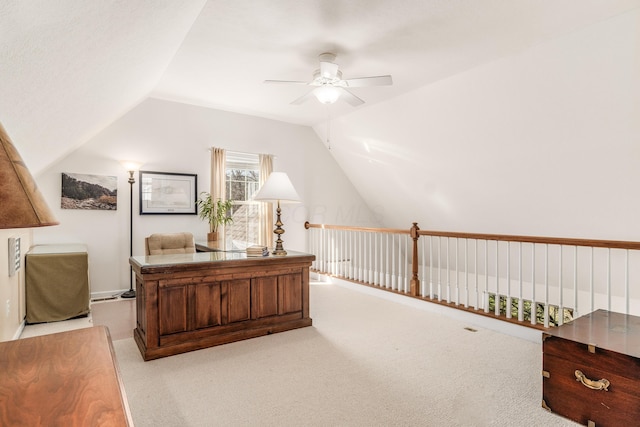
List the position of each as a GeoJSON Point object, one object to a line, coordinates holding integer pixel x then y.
{"type": "Point", "coordinates": [216, 213]}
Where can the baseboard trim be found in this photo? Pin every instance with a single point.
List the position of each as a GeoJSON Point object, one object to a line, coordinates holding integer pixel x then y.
{"type": "Point", "coordinates": [106, 295]}
{"type": "Point", "coordinates": [19, 331]}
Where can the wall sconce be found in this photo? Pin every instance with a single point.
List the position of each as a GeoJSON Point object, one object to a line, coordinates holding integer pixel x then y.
{"type": "Point", "coordinates": [131, 167]}
{"type": "Point", "coordinates": [278, 188]}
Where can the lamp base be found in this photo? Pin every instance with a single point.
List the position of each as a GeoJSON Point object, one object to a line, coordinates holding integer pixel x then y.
{"type": "Point", "coordinates": [129, 294]}
{"type": "Point", "coordinates": [279, 252]}
{"type": "Point", "coordinates": [279, 231]}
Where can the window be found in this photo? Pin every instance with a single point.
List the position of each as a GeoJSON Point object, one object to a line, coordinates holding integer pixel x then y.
{"type": "Point", "coordinates": [554, 312]}
{"type": "Point", "coordinates": [242, 181]}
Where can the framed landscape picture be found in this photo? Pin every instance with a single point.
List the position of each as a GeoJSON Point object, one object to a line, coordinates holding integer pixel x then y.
{"type": "Point", "coordinates": [168, 193]}
{"type": "Point", "coordinates": [89, 192]}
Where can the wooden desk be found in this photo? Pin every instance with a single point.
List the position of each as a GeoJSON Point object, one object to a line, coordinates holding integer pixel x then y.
{"type": "Point", "coordinates": [187, 302]}
{"type": "Point", "coordinates": [65, 379]}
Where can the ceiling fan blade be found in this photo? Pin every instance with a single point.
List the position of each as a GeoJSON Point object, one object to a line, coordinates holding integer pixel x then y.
{"type": "Point", "coordinates": [350, 98]}
{"type": "Point", "coordinates": [369, 81]}
{"type": "Point", "coordinates": [328, 70]}
{"type": "Point", "coordinates": [303, 98]}
{"type": "Point", "coordinates": [286, 82]}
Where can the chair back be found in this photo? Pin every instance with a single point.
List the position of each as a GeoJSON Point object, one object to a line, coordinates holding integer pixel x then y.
{"type": "Point", "coordinates": [169, 243]}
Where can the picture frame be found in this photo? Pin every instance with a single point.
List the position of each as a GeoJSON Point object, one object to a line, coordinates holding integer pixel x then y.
{"type": "Point", "coordinates": [89, 192]}
{"type": "Point", "coordinates": [168, 193]}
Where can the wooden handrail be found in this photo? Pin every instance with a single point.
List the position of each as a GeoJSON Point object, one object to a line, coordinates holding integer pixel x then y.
{"type": "Point", "coordinates": [617, 244]}
{"type": "Point", "coordinates": [308, 225]}
{"type": "Point", "coordinates": [614, 244]}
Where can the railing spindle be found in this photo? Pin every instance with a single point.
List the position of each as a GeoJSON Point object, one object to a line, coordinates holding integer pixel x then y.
{"type": "Point", "coordinates": [546, 286]}
{"type": "Point", "coordinates": [439, 270]}
{"type": "Point", "coordinates": [508, 304]}
{"type": "Point", "coordinates": [475, 267]}
{"type": "Point", "coordinates": [627, 297]}
{"type": "Point", "coordinates": [431, 266]}
{"type": "Point", "coordinates": [534, 305]}
{"type": "Point", "coordinates": [560, 312]}
{"type": "Point", "coordinates": [448, 284]}
{"type": "Point", "coordinates": [466, 272]}
{"type": "Point", "coordinates": [497, 298]}
{"type": "Point", "coordinates": [486, 276]}
{"type": "Point", "coordinates": [456, 289]}
{"type": "Point", "coordinates": [609, 279]}
{"type": "Point", "coordinates": [423, 278]}
{"type": "Point", "coordinates": [575, 281]}
{"type": "Point", "coordinates": [591, 290]}
{"type": "Point", "coordinates": [520, 295]}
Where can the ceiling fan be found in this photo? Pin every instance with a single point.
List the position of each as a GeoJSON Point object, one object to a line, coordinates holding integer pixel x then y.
{"type": "Point", "coordinates": [330, 86]}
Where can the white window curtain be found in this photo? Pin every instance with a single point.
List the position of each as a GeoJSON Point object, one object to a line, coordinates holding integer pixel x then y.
{"type": "Point", "coordinates": [266, 209]}
{"type": "Point", "coordinates": [218, 176]}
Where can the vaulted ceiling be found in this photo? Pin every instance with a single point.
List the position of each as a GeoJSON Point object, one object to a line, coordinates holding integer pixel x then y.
{"type": "Point", "coordinates": [69, 68]}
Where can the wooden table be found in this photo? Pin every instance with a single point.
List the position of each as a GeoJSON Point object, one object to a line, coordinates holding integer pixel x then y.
{"type": "Point", "coordinates": [187, 302]}
{"type": "Point", "coordinates": [65, 379]}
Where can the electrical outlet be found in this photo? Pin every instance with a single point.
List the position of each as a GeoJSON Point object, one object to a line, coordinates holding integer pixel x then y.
{"type": "Point", "coordinates": [8, 309]}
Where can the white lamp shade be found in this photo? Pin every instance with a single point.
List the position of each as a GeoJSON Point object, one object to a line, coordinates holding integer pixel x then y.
{"type": "Point", "coordinates": [277, 188]}
{"type": "Point", "coordinates": [327, 94]}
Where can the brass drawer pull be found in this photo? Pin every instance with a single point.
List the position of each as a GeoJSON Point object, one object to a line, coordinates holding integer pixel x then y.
{"type": "Point", "coordinates": [602, 384]}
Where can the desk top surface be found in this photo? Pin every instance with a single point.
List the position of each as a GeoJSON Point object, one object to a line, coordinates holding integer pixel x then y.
{"type": "Point", "coordinates": [69, 378]}
{"type": "Point", "coordinates": [144, 262]}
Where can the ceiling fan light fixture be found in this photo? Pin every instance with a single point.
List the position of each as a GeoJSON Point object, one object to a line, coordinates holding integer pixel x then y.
{"type": "Point", "coordinates": [327, 94]}
{"type": "Point", "coordinates": [329, 85]}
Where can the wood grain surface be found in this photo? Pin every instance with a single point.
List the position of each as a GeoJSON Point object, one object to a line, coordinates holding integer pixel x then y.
{"type": "Point", "coordinates": [64, 379]}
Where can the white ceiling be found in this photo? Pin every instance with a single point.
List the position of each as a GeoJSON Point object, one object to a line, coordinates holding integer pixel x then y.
{"type": "Point", "coordinates": [71, 67]}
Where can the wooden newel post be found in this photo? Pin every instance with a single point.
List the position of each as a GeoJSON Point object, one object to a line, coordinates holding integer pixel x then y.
{"type": "Point", "coordinates": [415, 282]}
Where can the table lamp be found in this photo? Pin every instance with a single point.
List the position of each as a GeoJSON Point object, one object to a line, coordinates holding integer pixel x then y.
{"type": "Point", "coordinates": [278, 188]}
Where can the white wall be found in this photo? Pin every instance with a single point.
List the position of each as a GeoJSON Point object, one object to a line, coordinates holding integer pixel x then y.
{"type": "Point", "coordinates": [174, 137]}
{"type": "Point", "coordinates": [12, 295]}
{"type": "Point", "coordinates": [545, 142]}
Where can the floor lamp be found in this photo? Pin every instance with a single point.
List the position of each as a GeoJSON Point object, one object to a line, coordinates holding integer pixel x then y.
{"type": "Point", "coordinates": [132, 167]}
{"type": "Point", "coordinates": [278, 188]}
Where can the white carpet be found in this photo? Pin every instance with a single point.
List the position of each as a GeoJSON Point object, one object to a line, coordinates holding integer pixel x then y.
{"type": "Point", "coordinates": [364, 362]}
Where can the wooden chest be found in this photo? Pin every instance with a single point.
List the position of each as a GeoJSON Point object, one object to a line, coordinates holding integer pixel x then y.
{"type": "Point", "coordinates": [591, 369]}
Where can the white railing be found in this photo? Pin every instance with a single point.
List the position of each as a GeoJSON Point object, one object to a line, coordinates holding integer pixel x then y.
{"type": "Point", "coordinates": [538, 281]}
{"type": "Point", "coordinates": [370, 256]}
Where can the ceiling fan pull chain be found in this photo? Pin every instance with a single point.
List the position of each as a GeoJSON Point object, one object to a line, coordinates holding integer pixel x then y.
{"type": "Point", "coordinates": [328, 127]}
